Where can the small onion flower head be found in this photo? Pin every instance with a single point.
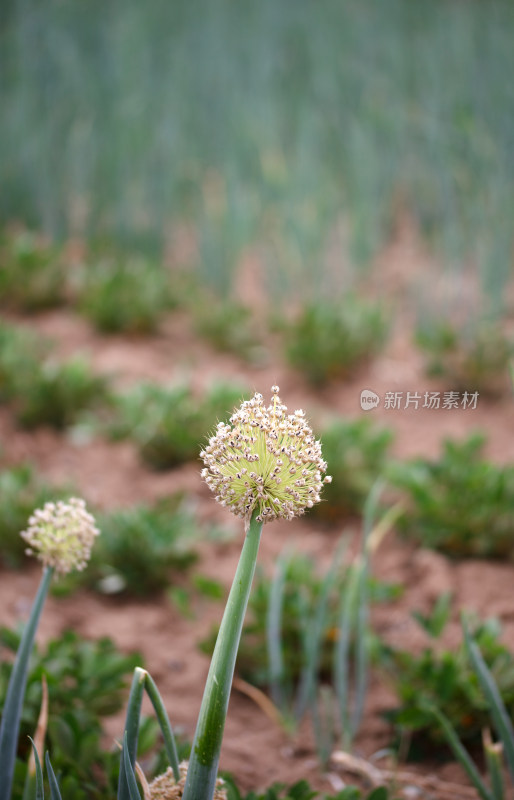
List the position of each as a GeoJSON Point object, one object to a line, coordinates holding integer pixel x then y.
{"type": "Point", "coordinates": [61, 535]}
{"type": "Point", "coordinates": [266, 460]}
{"type": "Point", "coordinates": [164, 786]}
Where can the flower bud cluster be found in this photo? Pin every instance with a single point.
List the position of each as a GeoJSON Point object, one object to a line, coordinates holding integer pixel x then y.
{"type": "Point", "coordinates": [164, 787]}
{"type": "Point", "coordinates": [61, 535]}
{"type": "Point", "coordinates": [265, 459]}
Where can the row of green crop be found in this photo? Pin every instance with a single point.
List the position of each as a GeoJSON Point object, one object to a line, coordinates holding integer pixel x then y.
{"type": "Point", "coordinates": [459, 503]}
{"type": "Point", "coordinates": [326, 340]}
{"type": "Point", "coordinates": [449, 500]}
{"type": "Point", "coordinates": [263, 125]}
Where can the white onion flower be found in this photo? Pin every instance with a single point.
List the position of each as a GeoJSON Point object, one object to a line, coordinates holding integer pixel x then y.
{"type": "Point", "coordinates": [61, 535]}
{"type": "Point", "coordinates": [266, 460]}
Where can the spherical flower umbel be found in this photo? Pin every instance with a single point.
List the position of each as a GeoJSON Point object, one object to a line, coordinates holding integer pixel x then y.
{"type": "Point", "coordinates": [61, 535]}
{"type": "Point", "coordinates": [265, 459]}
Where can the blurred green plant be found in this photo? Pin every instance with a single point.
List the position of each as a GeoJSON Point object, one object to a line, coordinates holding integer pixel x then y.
{"type": "Point", "coordinates": [168, 423]}
{"type": "Point", "coordinates": [355, 452]}
{"type": "Point", "coordinates": [21, 352]}
{"type": "Point", "coordinates": [303, 791]}
{"type": "Point", "coordinates": [498, 753]}
{"type": "Point", "coordinates": [41, 390]}
{"type": "Point", "coordinates": [228, 326]}
{"type": "Point", "coordinates": [32, 272]}
{"type": "Point", "coordinates": [126, 295]}
{"type": "Point", "coordinates": [21, 490]}
{"type": "Point", "coordinates": [460, 504]}
{"type": "Point", "coordinates": [445, 679]}
{"type": "Point", "coordinates": [58, 393]}
{"type": "Point", "coordinates": [331, 340]}
{"type": "Point", "coordinates": [314, 115]}
{"type": "Point", "coordinates": [474, 358]}
{"type": "Point", "coordinates": [140, 547]}
{"type": "Point", "coordinates": [86, 683]}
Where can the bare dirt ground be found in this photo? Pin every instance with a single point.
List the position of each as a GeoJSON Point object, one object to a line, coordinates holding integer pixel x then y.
{"type": "Point", "coordinates": [255, 749]}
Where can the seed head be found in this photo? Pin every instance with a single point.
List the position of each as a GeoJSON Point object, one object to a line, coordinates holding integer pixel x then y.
{"type": "Point", "coordinates": [164, 787]}
{"type": "Point", "coordinates": [265, 459]}
{"type": "Point", "coordinates": [61, 535]}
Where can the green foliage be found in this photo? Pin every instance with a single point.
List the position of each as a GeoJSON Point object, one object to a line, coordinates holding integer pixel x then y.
{"type": "Point", "coordinates": [169, 424]}
{"type": "Point", "coordinates": [32, 273]}
{"type": "Point", "coordinates": [330, 340]}
{"type": "Point", "coordinates": [21, 352]}
{"type": "Point", "coordinates": [228, 326]}
{"type": "Point", "coordinates": [317, 119]}
{"type": "Point", "coordinates": [86, 682]}
{"type": "Point", "coordinates": [460, 504]}
{"type": "Point", "coordinates": [303, 791]}
{"type": "Point", "coordinates": [126, 295]}
{"type": "Point", "coordinates": [473, 359]}
{"type": "Point", "coordinates": [355, 452]}
{"type": "Point", "coordinates": [21, 491]}
{"type": "Point", "coordinates": [41, 390]}
{"type": "Point", "coordinates": [57, 393]}
{"type": "Point", "coordinates": [446, 680]}
{"type": "Point", "coordinates": [141, 547]}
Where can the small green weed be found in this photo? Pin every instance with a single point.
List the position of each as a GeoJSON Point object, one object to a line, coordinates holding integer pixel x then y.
{"type": "Point", "coordinates": [167, 424]}
{"type": "Point", "coordinates": [32, 273]}
{"type": "Point", "coordinates": [475, 358]}
{"type": "Point", "coordinates": [331, 340]}
{"type": "Point", "coordinates": [126, 295]}
{"type": "Point", "coordinates": [460, 504]}
{"type": "Point", "coordinates": [445, 679]}
{"type": "Point", "coordinates": [20, 492]}
{"type": "Point", "coordinates": [355, 452]}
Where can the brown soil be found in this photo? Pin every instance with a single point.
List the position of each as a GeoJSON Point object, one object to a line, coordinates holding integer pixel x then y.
{"type": "Point", "coordinates": [255, 750]}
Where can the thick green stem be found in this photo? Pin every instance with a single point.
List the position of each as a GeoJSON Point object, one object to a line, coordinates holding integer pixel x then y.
{"type": "Point", "coordinates": [205, 752]}
{"type": "Point", "coordinates": [11, 714]}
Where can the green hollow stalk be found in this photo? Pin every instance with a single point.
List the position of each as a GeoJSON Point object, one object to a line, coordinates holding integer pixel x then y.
{"type": "Point", "coordinates": [131, 732]}
{"type": "Point", "coordinates": [205, 752]}
{"type": "Point", "coordinates": [11, 713]}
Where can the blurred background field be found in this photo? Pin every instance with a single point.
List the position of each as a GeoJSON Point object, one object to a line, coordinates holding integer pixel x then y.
{"type": "Point", "coordinates": [298, 130]}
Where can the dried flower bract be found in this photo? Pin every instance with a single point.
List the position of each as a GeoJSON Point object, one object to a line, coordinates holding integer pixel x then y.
{"type": "Point", "coordinates": [265, 459]}
{"type": "Point", "coordinates": [164, 787]}
{"type": "Point", "coordinates": [61, 535]}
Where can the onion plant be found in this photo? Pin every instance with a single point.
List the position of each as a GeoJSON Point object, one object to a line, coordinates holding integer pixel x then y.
{"type": "Point", "coordinates": [61, 535]}
{"type": "Point", "coordinates": [263, 465]}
